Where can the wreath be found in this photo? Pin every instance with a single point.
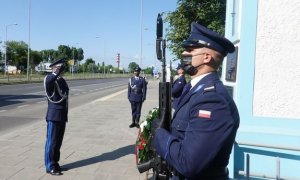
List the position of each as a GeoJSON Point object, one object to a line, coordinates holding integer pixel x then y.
{"type": "Point", "coordinates": [143, 143]}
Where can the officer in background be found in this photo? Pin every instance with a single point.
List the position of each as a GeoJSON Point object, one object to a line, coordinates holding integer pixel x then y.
{"type": "Point", "coordinates": [178, 84]}
{"type": "Point", "coordinates": [137, 89]}
{"type": "Point", "coordinates": [206, 119]}
{"type": "Point", "coordinates": [57, 92]}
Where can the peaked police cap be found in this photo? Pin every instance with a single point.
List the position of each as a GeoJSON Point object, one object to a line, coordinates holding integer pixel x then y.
{"type": "Point", "coordinates": [201, 36]}
{"type": "Point", "coordinates": [137, 69]}
{"type": "Point", "coordinates": [57, 62]}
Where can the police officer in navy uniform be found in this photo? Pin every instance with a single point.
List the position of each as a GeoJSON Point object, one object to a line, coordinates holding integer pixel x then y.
{"type": "Point", "coordinates": [137, 89]}
{"type": "Point", "coordinates": [178, 85]}
{"type": "Point", "coordinates": [206, 119]}
{"type": "Point", "coordinates": [57, 92]}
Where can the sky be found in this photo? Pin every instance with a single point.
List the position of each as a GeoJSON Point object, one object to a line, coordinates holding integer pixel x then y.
{"type": "Point", "coordinates": [101, 28]}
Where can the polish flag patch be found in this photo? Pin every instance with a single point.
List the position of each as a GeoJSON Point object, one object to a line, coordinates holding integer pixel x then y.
{"type": "Point", "coordinates": [204, 114]}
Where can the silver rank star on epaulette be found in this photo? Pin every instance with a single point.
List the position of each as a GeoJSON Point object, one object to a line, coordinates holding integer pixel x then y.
{"type": "Point", "coordinates": [209, 88]}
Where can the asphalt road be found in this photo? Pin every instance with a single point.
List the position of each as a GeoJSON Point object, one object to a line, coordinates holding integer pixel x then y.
{"type": "Point", "coordinates": [26, 103]}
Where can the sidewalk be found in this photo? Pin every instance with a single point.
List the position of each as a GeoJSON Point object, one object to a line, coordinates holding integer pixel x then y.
{"type": "Point", "coordinates": [98, 144]}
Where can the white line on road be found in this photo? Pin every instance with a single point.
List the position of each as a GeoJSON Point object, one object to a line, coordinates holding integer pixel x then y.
{"type": "Point", "coordinates": [2, 111]}
{"type": "Point", "coordinates": [109, 96]}
{"type": "Point", "coordinates": [22, 106]}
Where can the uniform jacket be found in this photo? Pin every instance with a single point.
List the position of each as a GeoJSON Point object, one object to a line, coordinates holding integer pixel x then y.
{"type": "Point", "coordinates": [137, 89]}
{"type": "Point", "coordinates": [177, 88]}
{"type": "Point", "coordinates": [203, 130]}
{"type": "Point", "coordinates": [57, 91]}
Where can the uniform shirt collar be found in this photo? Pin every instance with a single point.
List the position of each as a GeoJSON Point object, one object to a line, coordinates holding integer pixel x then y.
{"type": "Point", "coordinates": [197, 79]}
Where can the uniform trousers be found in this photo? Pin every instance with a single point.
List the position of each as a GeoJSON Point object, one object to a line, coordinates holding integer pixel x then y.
{"type": "Point", "coordinates": [55, 134]}
{"type": "Point", "coordinates": [136, 110]}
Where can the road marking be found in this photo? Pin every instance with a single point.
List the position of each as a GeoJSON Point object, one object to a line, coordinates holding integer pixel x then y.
{"type": "Point", "coordinates": [2, 111]}
{"type": "Point", "coordinates": [109, 96]}
{"type": "Point", "coordinates": [22, 106]}
{"type": "Point", "coordinates": [40, 102]}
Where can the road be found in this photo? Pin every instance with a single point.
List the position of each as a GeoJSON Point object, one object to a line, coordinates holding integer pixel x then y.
{"type": "Point", "coordinates": [21, 104]}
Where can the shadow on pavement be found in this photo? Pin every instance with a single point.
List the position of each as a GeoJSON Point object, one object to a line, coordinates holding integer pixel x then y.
{"type": "Point", "coordinates": [123, 151]}
{"type": "Point", "coordinates": [6, 100]}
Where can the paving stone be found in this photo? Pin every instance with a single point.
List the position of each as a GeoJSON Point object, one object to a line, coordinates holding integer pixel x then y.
{"type": "Point", "coordinates": [98, 144]}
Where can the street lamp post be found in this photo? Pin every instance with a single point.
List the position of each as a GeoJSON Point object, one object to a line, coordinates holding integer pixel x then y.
{"type": "Point", "coordinates": [72, 67]}
{"type": "Point", "coordinates": [28, 54]}
{"type": "Point", "coordinates": [141, 38]}
{"type": "Point", "coordinates": [73, 63]}
{"type": "Point", "coordinates": [6, 46]}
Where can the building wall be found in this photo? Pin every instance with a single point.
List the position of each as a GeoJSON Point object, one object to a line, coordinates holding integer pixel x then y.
{"type": "Point", "coordinates": [265, 87]}
{"type": "Point", "coordinates": [277, 59]}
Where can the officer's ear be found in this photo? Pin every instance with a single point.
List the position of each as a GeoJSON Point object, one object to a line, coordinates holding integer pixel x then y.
{"type": "Point", "coordinates": [211, 61]}
{"type": "Point", "coordinates": [207, 58]}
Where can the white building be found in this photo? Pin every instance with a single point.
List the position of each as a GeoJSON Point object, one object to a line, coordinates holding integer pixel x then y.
{"type": "Point", "coordinates": [43, 67]}
{"type": "Point", "coordinates": [263, 76]}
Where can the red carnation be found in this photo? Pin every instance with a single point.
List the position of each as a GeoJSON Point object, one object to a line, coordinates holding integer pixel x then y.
{"type": "Point", "coordinates": [143, 142]}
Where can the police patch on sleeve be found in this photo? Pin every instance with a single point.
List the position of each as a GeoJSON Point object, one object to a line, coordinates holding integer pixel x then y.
{"type": "Point", "coordinates": [204, 114]}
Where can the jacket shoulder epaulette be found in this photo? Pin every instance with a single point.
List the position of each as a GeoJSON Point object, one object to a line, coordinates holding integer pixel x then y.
{"type": "Point", "coordinates": [209, 87]}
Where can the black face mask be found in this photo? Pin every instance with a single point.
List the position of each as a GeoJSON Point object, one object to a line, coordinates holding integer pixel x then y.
{"type": "Point", "coordinates": [187, 65]}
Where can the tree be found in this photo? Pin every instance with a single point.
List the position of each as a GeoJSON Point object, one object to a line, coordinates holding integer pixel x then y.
{"type": "Point", "coordinates": [35, 57]}
{"type": "Point", "coordinates": [48, 55]}
{"type": "Point", "coordinates": [77, 54]}
{"type": "Point", "coordinates": [89, 61]}
{"type": "Point", "coordinates": [17, 54]}
{"type": "Point", "coordinates": [80, 55]}
{"type": "Point", "coordinates": [89, 65]}
{"type": "Point", "coordinates": [132, 66]}
{"type": "Point", "coordinates": [210, 13]}
{"type": "Point", "coordinates": [1, 54]}
{"type": "Point", "coordinates": [64, 52]}
{"type": "Point", "coordinates": [148, 70]}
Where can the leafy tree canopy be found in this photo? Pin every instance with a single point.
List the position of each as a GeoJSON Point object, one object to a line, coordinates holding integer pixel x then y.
{"type": "Point", "coordinates": [89, 61]}
{"type": "Point", "coordinates": [210, 13]}
{"type": "Point", "coordinates": [17, 54]}
{"type": "Point", "coordinates": [132, 66]}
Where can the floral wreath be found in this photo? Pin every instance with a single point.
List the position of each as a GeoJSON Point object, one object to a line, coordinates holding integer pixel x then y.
{"type": "Point", "coordinates": [143, 142]}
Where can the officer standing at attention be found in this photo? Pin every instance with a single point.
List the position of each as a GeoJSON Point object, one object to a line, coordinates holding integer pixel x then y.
{"type": "Point", "coordinates": [137, 89]}
{"type": "Point", "coordinates": [206, 119]}
{"type": "Point", "coordinates": [178, 85]}
{"type": "Point", "coordinates": [57, 92]}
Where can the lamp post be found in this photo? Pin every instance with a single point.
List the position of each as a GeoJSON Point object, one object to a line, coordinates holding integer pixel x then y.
{"type": "Point", "coordinates": [98, 37]}
{"type": "Point", "coordinates": [141, 38]}
{"type": "Point", "coordinates": [73, 61]}
{"type": "Point", "coordinates": [6, 46]}
{"type": "Point", "coordinates": [28, 54]}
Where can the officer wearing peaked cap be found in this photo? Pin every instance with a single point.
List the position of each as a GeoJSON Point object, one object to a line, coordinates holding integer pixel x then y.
{"type": "Point", "coordinates": [137, 89]}
{"type": "Point", "coordinates": [206, 119]}
{"type": "Point", "coordinates": [57, 91]}
{"type": "Point", "coordinates": [178, 85]}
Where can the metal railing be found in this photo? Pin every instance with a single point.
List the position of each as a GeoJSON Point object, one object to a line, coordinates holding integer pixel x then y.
{"type": "Point", "coordinates": [247, 172]}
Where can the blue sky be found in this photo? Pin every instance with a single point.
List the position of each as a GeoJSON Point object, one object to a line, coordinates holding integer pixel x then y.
{"type": "Point", "coordinates": [77, 23]}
